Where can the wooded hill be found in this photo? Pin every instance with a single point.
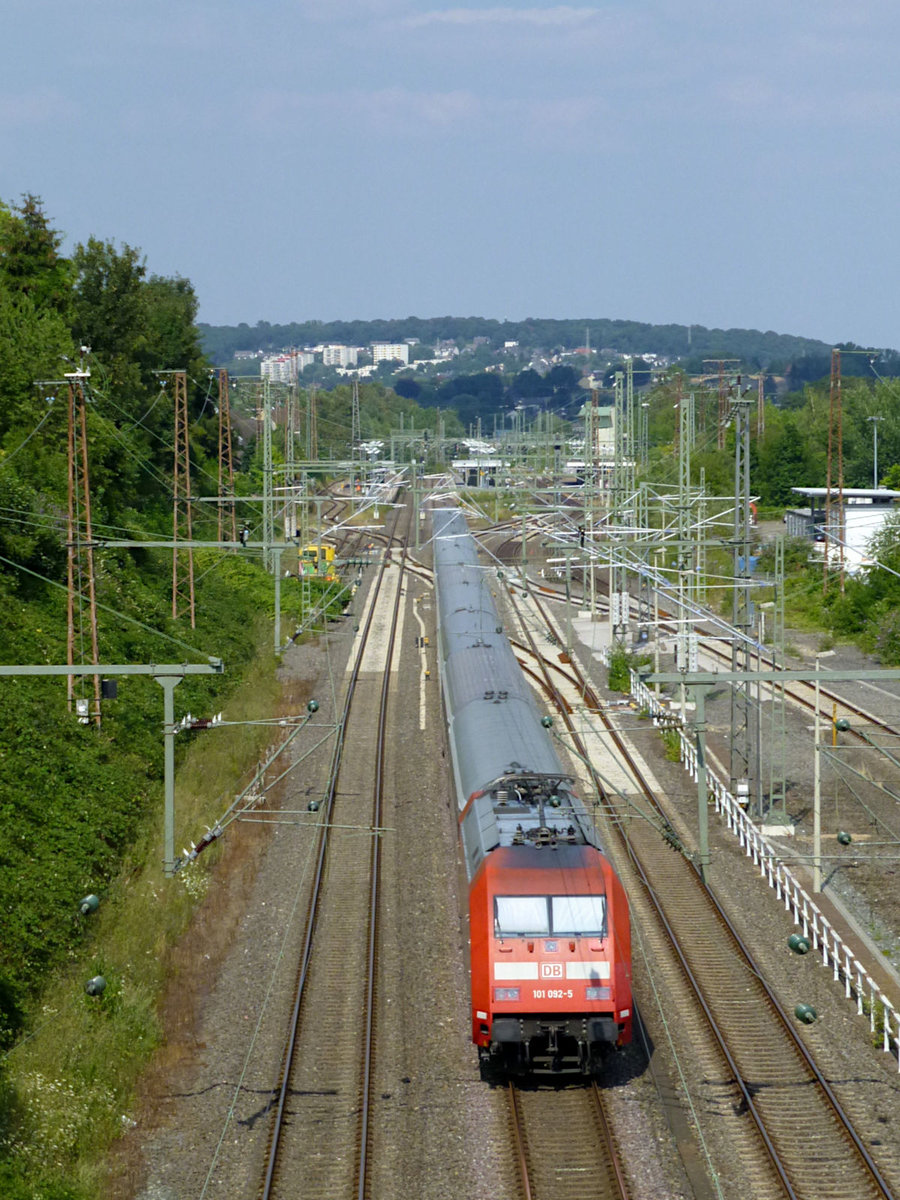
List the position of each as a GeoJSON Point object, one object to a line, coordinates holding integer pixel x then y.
{"type": "Point", "coordinates": [688, 344]}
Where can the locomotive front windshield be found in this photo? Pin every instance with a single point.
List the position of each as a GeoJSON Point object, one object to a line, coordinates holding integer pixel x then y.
{"type": "Point", "coordinates": [549, 916]}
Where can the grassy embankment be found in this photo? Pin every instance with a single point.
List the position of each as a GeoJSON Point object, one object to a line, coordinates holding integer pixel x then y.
{"type": "Point", "coordinates": [82, 813]}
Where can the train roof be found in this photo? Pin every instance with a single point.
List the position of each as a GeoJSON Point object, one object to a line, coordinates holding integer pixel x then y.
{"type": "Point", "coordinates": [495, 722]}
{"type": "Point", "coordinates": [452, 542]}
{"type": "Point", "coordinates": [509, 777]}
{"type": "Point", "coordinates": [502, 741]}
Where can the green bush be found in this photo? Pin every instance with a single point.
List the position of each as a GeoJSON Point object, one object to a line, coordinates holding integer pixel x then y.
{"type": "Point", "coordinates": [73, 797]}
{"type": "Point", "coordinates": [621, 664]}
{"type": "Point", "coordinates": [66, 1089]}
{"type": "Point", "coordinates": [887, 637]}
{"type": "Point", "coordinates": [672, 744]}
{"type": "Point", "coordinates": [619, 676]}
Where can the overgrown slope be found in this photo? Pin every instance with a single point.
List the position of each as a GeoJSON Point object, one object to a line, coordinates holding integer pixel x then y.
{"type": "Point", "coordinates": [79, 801]}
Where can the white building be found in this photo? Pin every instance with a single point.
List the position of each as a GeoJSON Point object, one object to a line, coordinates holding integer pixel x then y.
{"type": "Point", "coordinates": [339, 356]}
{"type": "Point", "coordinates": [390, 352]}
{"type": "Point", "coordinates": [864, 512]}
{"type": "Point", "coordinates": [479, 471]}
{"type": "Point", "coordinates": [284, 368]}
{"type": "Point", "coordinates": [279, 367]}
{"type": "Point", "coordinates": [356, 372]}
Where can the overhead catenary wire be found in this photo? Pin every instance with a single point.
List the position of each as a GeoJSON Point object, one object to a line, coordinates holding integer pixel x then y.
{"type": "Point", "coordinates": [166, 445]}
{"type": "Point", "coordinates": [844, 769]}
{"type": "Point", "coordinates": [249, 797]}
{"type": "Point", "coordinates": [140, 420]}
{"type": "Point", "coordinates": [118, 434]}
{"type": "Point", "coordinates": [238, 808]}
{"type": "Point", "coordinates": [685, 1085]}
{"type": "Point", "coordinates": [29, 517]}
{"type": "Point", "coordinates": [26, 516]}
{"type": "Point", "coordinates": [197, 383]}
{"type": "Point", "coordinates": [151, 469]}
{"type": "Point", "coordinates": [281, 957]}
{"type": "Point", "coordinates": [51, 525]}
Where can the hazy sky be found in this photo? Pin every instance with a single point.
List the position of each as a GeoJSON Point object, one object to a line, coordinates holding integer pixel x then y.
{"type": "Point", "coordinates": [708, 161]}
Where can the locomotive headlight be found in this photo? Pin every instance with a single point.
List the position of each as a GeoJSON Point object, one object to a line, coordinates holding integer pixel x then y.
{"type": "Point", "coordinates": [597, 993]}
{"type": "Point", "coordinates": [507, 993]}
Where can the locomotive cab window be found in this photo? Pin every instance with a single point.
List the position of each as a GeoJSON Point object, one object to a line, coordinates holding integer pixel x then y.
{"type": "Point", "coordinates": [579, 914]}
{"type": "Point", "coordinates": [544, 916]}
{"type": "Point", "coordinates": [521, 915]}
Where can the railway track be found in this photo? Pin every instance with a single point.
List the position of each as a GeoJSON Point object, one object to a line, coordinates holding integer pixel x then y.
{"type": "Point", "coordinates": [832, 703]}
{"type": "Point", "coordinates": [319, 1139]}
{"type": "Point", "coordinates": [572, 1118]}
{"type": "Point", "coordinates": [791, 1132]}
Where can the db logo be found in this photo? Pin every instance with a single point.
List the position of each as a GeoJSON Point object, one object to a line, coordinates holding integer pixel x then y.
{"type": "Point", "coordinates": [551, 970]}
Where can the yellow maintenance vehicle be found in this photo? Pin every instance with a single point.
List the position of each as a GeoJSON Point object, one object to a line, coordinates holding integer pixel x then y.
{"type": "Point", "coordinates": [319, 561]}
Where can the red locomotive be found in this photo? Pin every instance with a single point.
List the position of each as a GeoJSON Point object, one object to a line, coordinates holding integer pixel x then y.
{"type": "Point", "coordinates": [548, 918]}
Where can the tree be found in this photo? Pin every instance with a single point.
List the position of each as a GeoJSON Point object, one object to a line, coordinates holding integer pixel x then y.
{"type": "Point", "coordinates": [27, 538]}
{"type": "Point", "coordinates": [783, 460]}
{"type": "Point", "coordinates": [408, 388]}
{"type": "Point", "coordinates": [34, 338]}
{"type": "Point", "coordinates": [30, 262]}
{"type": "Point", "coordinates": [884, 548]}
{"type": "Point", "coordinates": [467, 408]}
{"type": "Point", "coordinates": [171, 339]}
{"type": "Point", "coordinates": [528, 385]}
{"type": "Point", "coordinates": [108, 307]}
{"type": "Point", "coordinates": [562, 379]}
{"type": "Point", "coordinates": [33, 344]}
{"type": "Point", "coordinates": [486, 388]}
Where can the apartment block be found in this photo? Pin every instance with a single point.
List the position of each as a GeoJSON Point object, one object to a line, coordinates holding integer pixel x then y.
{"type": "Point", "coordinates": [284, 368]}
{"type": "Point", "coordinates": [339, 356]}
{"type": "Point", "coordinates": [390, 352]}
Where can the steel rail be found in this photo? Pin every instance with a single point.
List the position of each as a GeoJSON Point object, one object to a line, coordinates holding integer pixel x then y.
{"type": "Point", "coordinates": [519, 1137]}
{"type": "Point", "coordinates": [313, 916]}
{"type": "Point", "coordinates": [378, 792]}
{"type": "Point", "coordinates": [610, 1180]}
{"type": "Point", "coordinates": [794, 689]}
{"type": "Point", "coordinates": [621, 1182]}
{"type": "Point", "coordinates": [791, 689]}
{"type": "Point", "coordinates": [564, 707]}
{"type": "Point", "coordinates": [593, 702]}
{"type": "Point", "coordinates": [746, 1093]}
